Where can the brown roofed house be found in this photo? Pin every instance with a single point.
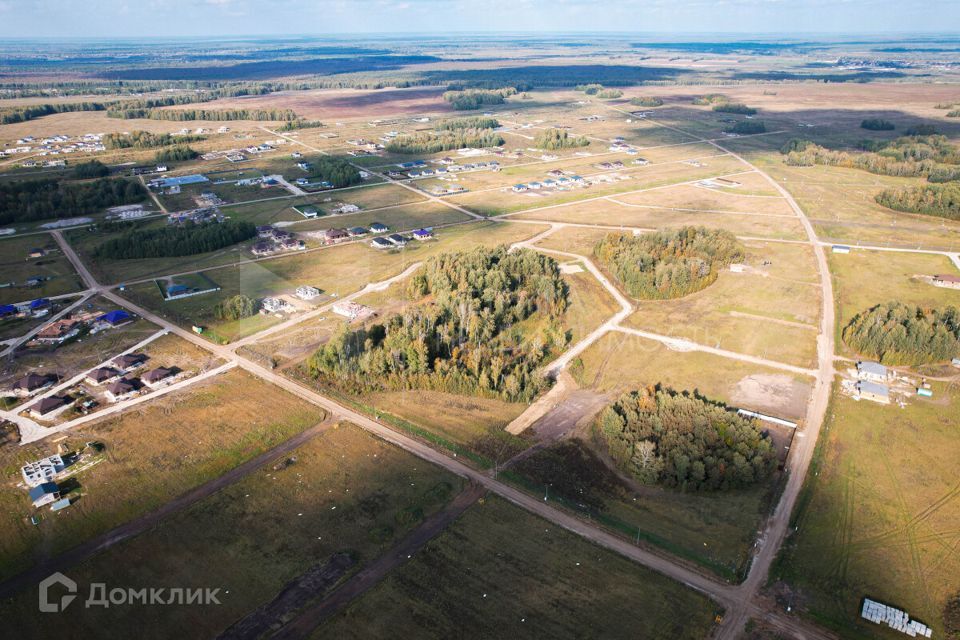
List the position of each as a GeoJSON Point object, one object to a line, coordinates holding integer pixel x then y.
{"type": "Point", "coordinates": [157, 377]}
{"type": "Point", "coordinates": [46, 406]}
{"type": "Point", "coordinates": [129, 360]}
{"type": "Point", "coordinates": [102, 374]}
{"type": "Point", "coordinates": [947, 280]}
{"type": "Point", "coordinates": [121, 390]}
{"type": "Point", "coordinates": [32, 383]}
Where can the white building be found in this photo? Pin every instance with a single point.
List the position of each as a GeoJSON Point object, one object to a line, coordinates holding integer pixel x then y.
{"type": "Point", "coordinates": [873, 371]}
{"type": "Point", "coordinates": [274, 305]}
{"type": "Point", "coordinates": [306, 292]}
{"type": "Point", "coordinates": [349, 309]}
{"type": "Point", "coordinates": [45, 470]}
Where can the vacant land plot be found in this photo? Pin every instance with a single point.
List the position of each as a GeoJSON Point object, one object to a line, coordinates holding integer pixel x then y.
{"type": "Point", "coordinates": [344, 492]}
{"type": "Point", "coordinates": [590, 304]}
{"type": "Point", "coordinates": [402, 218]}
{"type": "Point", "coordinates": [501, 572]}
{"type": "Point", "coordinates": [706, 200]}
{"type": "Point", "coordinates": [613, 212]}
{"type": "Point", "coordinates": [49, 273]}
{"type": "Point", "coordinates": [151, 453]}
{"type": "Point", "coordinates": [867, 278]}
{"type": "Point", "coordinates": [879, 516]}
{"type": "Point", "coordinates": [619, 362]}
{"type": "Point", "coordinates": [771, 310]}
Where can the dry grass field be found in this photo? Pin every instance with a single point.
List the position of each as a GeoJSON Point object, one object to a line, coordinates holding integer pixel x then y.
{"type": "Point", "coordinates": [152, 453]}
{"type": "Point", "coordinates": [342, 492]}
{"type": "Point", "coordinates": [501, 572]}
{"type": "Point", "coordinates": [879, 516]}
{"type": "Point", "coordinates": [16, 267]}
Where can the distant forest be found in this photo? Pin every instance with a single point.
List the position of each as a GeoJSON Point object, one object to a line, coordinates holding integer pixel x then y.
{"type": "Point", "coordinates": [44, 199]}
{"type": "Point", "coordinates": [145, 140]}
{"type": "Point", "coordinates": [899, 334]}
{"type": "Point", "coordinates": [471, 99]}
{"type": "Point", "coordinates": [930, 156]}
{"type": "Point", "coordinates": [669, 263]}
{"type": "Point", "coordinates": [174, 241]}
{"type": "Point", "coordinates": [467, 337]}
{"type": "Point", "coordinates": [685, 441]}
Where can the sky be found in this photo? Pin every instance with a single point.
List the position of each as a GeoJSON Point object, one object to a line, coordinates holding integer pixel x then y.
{"type": "Point", "coordinates": [166, 18]}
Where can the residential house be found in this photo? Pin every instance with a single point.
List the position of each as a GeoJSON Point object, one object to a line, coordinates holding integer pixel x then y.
{"type": "Point", "coordinates": [422, 234]}
{"type": "Point", "coordinates": [9, 310]}
{"type": "Point", "coordinates": [129, 361]}
{"type": "Point", "coordinates": [115, 318]}
{"type": "Point", "coordinates": [274, 305]}
{"type": "Point", "coordinates": [946, 280]}
{"type": "Point", "coordinates": [379, 227]}
{"type": "Point", "coordinates": [102, 375]}
{"type": "Point", "coordinates": [306, 292]}
{"type": "Point", "coordinates": [158, 377]}
{"type": "Point", "coordinates": [873, 371]}
{"type": "Point", "coordinates": [307, 212]}
{"type": "Point", "coordinates": [31, 384]}
{"type": "Point", "coordinates": [381, 243]}
{"type": "Point", "coordinates": [265, 230]}
{"type": "Point", "coordinates": [873, 391]}
{"type": "Point", "coordinates": [41, 471]}
{"type": "Point", "coordinates": [350, 309]}
{"type": "Point", "coordinates": [397, 240]}
{"type": "Point", "coordinates": [44, 494]}
{"type": "Point", "coordinates": [121, 390]}
{"type": "Point", "coordinates": [357, 232]}
{"type": "Point", "coordinates": [839, 248]}
{"type": "Point", "coordinates": [48, 407]}
{"type": "Point", "coordinates": [333, 236]}
{"type": "Point", "coordinates": [519, 188]}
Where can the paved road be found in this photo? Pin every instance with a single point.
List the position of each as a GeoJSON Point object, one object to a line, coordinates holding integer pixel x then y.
{"type": "Point", "coordinates": [149, 520]}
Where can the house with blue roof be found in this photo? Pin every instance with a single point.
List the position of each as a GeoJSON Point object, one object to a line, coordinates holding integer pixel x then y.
{"type": "Point", "coordinates": [7, 310]}
{"type": "Point", "coordinates": [115, 318]}
{"type": "Point", "coordinates": [44, 493]}
{"type": "Point", "coordinates": [39, 303]}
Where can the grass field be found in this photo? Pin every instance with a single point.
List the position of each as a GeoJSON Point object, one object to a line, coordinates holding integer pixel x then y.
{"type": "Point", "coordinates": [153, 453]}
{"type": "Point", "coordinates": [16, 267]}
{"type": "Point", "coordinates": [715, 530]}
{"type": "Point", "coordinates": [501, 572]}
{"type": "Point", "coordinates": [346, 492]}
{"type": "Point", "coordinates": [878, 516]}
{"type": "Point", "coordinates": [867, 278]}
{"type": "Point", "coordinates": [590, 305]}
{"type": "Point", "coordinates": [619, 362]}
{"type": "Point", "coordinates": [770, 311]}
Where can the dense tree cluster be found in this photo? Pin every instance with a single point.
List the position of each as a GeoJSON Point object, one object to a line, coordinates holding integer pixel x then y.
{"type": "Point", "coordinates": [335, 170]}
{"type": "Point", "coordinates": [609, 94]}
{"type": "Point", "coordinates": [941, 200]}
{"type": "Point", "coordinates": [747, 127]}
{"type": "Point", "coordinates": [176, 153]}
{"type": "Point", "coordinates": [469, 122]}
{"type": "Point", "coordinates": [470, 99]}
{"type": "Point", "coordinates": [735, 107]}
{"type": "Point", "coordinates": [41, 199]}
{"type": "Point", "coordinates": [551, 139]}
{"type": "Point", "coordinates": [877, 124]}
{"type": "Point", "coordinates": [895, 333]}
{"type": "Point", "coordinates": [145, 140]}
{"type": "Point", "coordinates": [91, 169]}
{"type": "Point", "coordinates": [685, 441]}
{"type": "Point", "coordinates": [590, 89]}
{"type": "Point", "coordinates": [172, 241]}
{"type": "Point", "coordinates": [294, 125]}
{"type": "Point", "coordinates": [669, 263]}
{"type": "Point", "coordinates": [433, 142]}
{"type": "Point", "coordinates": [796, 144]}
{"type": "Point", "coordinates": [909, 156]}
{"type": "Point", "coordinates": [216, 115]}
{"type": "Point", "coordinates": [710, 98]}
{"type": "Point", "coordinates": [646, 101]}
{"type": "Point", "coordinates": [464, 338]}
{"type": "Point", "coordinates": [23, 114]}
{"type": "Point", "coordinates": [235, 308]}
{"type": "Point", "coordinates": [951, 618]}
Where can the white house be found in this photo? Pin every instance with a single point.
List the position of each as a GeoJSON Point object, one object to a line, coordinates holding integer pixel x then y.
{"type": "Point", "coordinates": [873, 371]}
{"type": "Point", "coordinates": [306, 292]}
{"type": "Point", "coordinates": [45, 470]}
